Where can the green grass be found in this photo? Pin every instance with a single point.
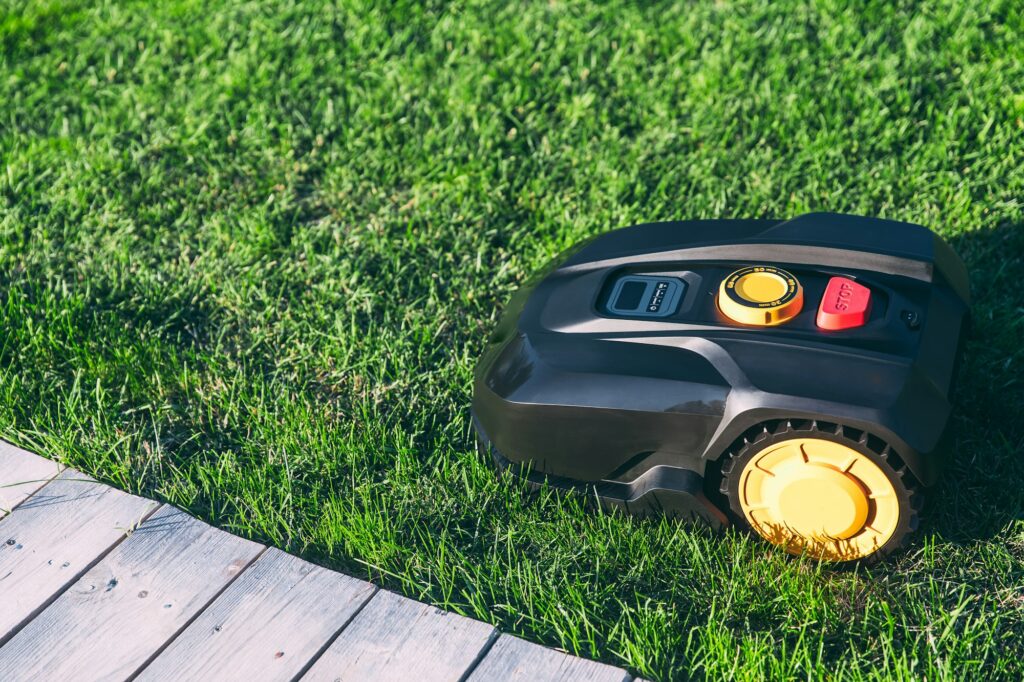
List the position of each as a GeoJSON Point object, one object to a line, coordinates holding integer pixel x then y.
{"type": "Point", "coordinates": [249, 253]}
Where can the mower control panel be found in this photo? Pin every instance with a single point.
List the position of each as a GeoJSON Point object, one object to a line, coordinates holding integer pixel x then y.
{"type": "Point", "coordinates": [760, 295]}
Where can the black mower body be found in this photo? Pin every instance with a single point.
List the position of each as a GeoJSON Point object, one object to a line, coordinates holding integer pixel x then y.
{"type": "Point", "coordinates": [639, 404]}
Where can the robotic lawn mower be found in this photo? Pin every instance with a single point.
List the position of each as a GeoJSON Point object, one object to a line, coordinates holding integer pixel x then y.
{"type": "Point", "coordinates": [792, 377]}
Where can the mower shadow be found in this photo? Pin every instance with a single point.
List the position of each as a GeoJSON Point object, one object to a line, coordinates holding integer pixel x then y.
{"type": "Point", "coordinates": [982, 491]}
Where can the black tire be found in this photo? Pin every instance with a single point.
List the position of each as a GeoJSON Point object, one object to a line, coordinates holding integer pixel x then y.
{"type": "Point", "coordinates": [908, 490]}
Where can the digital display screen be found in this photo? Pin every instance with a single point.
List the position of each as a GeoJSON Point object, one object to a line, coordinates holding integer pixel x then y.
{"type": "Point", "coordinates": [646, 295]}
{"type": "Point", "coordinates": [630, 294]}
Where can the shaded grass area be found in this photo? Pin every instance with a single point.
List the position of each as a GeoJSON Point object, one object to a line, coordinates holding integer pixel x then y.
{"type": "Point", "coordinates": [250, 251]}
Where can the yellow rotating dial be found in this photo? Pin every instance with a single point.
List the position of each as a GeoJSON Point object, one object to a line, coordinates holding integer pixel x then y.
{"type": "Point", "coordinates": [762, 295]}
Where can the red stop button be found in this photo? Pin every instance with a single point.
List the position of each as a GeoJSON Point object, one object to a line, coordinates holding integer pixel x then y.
{"type": "Point", "coordinates": [845, 304]}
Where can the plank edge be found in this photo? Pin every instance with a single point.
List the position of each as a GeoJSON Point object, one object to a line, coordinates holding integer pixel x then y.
{"type": "Point", "coordinates": [184, 626]}
{"type": "Point", "coordinates": [482, 654]}
{"type": "Point", "coordinates": [333, 638]}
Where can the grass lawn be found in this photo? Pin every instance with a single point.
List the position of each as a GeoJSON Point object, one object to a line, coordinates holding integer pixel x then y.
{"type": "Point", "coordinates": [249, 253]}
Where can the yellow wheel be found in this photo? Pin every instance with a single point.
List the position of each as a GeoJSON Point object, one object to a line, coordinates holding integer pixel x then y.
{"type": "Point", "coordinates": [825, 492]}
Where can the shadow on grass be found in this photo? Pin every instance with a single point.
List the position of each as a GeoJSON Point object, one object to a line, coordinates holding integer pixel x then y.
{"type": "Point", "coordinates": [982, 490]}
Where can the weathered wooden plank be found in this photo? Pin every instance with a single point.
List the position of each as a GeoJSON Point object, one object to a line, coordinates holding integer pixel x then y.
{"type": "Point", "coordinates": [21, 474]}
{"type": "Point", "coordinates": [53, 537]}
{"type": "Point", "coordinates": [394, 638]}
{"type": "Point", "coordinates": [109, 623]}
{"type": "Point", "coordinates": [512, 658]}
{"type": "Point", "coordinates": [268, 625]}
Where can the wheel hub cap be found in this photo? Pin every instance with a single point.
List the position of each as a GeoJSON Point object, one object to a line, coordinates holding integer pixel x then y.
{"type": "Point", "coordinates": [817, 496]}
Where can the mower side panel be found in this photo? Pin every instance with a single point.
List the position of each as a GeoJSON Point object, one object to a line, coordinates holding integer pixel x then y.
{"type": "Point", "coordinates": [566, 417]}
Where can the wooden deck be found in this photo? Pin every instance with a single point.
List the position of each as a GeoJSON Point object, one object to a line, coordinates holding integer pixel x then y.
{"type": "Point", "coordinates": [99, 584]}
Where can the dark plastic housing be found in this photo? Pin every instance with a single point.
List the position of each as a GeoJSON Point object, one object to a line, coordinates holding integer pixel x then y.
{"type": "Point", "coordinates": [585, 392]}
